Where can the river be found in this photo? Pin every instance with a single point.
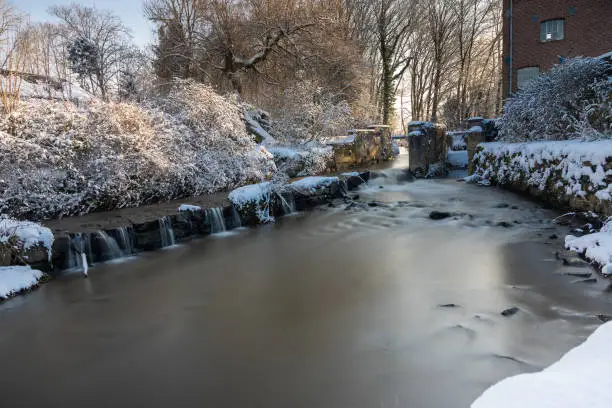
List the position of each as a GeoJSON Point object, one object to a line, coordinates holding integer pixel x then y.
{"type": "Point", "coordinates": [370, 306]}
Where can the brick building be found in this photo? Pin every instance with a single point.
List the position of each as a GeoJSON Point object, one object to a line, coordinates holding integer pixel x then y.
{"type": "Point", "coordinates": [541, 33]}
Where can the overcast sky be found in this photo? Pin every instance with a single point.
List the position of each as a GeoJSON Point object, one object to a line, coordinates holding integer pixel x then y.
{"type": "Point", "coordinates": [130, 12]}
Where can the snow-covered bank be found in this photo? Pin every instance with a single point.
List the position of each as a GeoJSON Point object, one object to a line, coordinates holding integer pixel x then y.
{"type": "Point", "coordinates": [567, 174]}
{"type": "Point", "coordinates": [16, 279]}
{"type": "Point", "coordinates": [596, 247]}
{"type": "Point", "coordinates": [24, 235]}
{"type": "Point", "coordinates": [580, 379]}
{"type": "Point", "coordinates": [24, 242]}
{"type": "Point", "coordinates": [61, 159]}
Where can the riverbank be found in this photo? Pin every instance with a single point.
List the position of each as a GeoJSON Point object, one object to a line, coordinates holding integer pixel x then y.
{"type": "Point", "coordinates": [77, 243]}
{"type": "Point", "coordinates": [568, 175]}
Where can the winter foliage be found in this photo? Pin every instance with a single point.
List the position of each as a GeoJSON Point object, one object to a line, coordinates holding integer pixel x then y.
{"type": "Point", "coordinates": [65, 159]}
{"type": "Point", "coordinates": [307, 112]}
{"type": "Point", "coordinates": [571, 101]}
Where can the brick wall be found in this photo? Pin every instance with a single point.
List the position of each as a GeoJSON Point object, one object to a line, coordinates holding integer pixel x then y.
{"type": "Point", "coordinates": [588, 32]}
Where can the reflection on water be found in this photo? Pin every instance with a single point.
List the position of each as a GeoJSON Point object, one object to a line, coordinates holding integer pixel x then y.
{"type": "Point", "coordinates": [335, 308]}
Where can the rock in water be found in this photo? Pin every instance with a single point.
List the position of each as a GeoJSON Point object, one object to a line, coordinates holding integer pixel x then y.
{"type": "Point", "coordinates": [504, 224]}
{"type": "Point", "coordinates": [439, 215]}
{"type": "Point", "coordinates": [448, 305]}
{"type": "Point", "coordinates": [510, 312]}
{"type": "Point", "coordinates": [604, 318]}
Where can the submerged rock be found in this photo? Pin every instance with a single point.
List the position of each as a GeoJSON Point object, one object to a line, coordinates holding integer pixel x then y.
{"type": "Point", "coordinates": [439, 215]}
{"type": "Point", "coordinates": [604, 318]}
{"type": "Point", "coordinates": [448, 305]}
{"type": "Point", "coordinates": [504, 224]}
{"type": "Point", "coordinates": [510, 312]}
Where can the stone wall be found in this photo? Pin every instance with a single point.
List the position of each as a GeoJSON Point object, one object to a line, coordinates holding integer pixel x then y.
{"type": "Point", "coordinates": [568, 175]}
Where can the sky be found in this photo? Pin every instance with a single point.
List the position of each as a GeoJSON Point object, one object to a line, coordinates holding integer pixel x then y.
{"type": "Point", "coordinates": [130, 12]}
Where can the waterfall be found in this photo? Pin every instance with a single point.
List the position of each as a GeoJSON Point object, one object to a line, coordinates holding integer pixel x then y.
{"type": "Point", "coordinates": [288, 204]}
{"type": "Point", "coordinates": [124, 240]}
{"type": "Point", "coordinates": [215, 217]}
{"type": "Point", "coordinates": [77, 260]}
{"type": "Point", "coordinates": [236, 221]}
{"type": "Point", "coordinates": [166, 231]}
{"type": "Point", "coordinates": [109, 247]}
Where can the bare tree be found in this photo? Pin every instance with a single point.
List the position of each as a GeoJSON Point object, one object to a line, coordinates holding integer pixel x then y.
{"type": "Point", "coordinates": [98, 40]}
{"type": "Point", "coordinates": [386, 27]}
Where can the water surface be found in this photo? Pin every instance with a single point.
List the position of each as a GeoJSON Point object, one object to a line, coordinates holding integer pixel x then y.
{"type": "Point", "coordinates": [334, 308]}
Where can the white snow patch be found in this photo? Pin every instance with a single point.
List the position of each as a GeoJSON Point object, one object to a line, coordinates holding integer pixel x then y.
{"type": "Point", "coordinates": [580, 379]}
{"type": "Point", "coordinates": [310, 185]}
{"type": "Point", "coordinates": [458, 159]}
{"type": "Point", "coordinates": [596, 247]}
{"type": "Point", "coordinates": [339, 140]}
{"type": "Point", "coordinates": [189, 207]}
{"type": "Point", "coordinates": [29, 234]}
{"type": "Point", "coordinates": [253, 193]}
{"type": "Point", "coordinates": [475, 129]}
{"type": "Point", "coordinates": [14, 279]}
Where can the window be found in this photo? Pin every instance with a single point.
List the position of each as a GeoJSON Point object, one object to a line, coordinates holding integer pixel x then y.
{"type": "Point", "coordinates": [525, 75]}
{"type": "Point", "coordinates": [552, 30]}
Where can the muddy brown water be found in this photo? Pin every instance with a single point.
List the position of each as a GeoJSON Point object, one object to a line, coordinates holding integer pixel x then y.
{"type": "Point", "coordinates": [334, 308]}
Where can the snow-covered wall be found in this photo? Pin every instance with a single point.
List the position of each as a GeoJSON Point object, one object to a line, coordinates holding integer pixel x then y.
{"type": "Point", "coordinates": [567, 174]}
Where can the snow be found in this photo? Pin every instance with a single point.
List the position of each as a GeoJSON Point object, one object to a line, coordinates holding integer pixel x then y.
{"type": "Point", "coordinates": [253, 193]}
{"type": "Point", "coordinates": [63, 91]}
{"type": "Point", "coordinates": [475, 129]}
{"type": "Point", "coordinates": [580, 379]}
{"type": "Point", "coordinates": [339, 140]}
{"type": "Point", "coordinates": [311, 185]}
{"type": "Point", "coordinates": [190, 208]}
{"type": "Point", "coordinates": [581, 165]}
{"type": "Point", "coordinates": [71, 159]}
{"type": "Point", "coordinates": [302, 160]}
{"type": "Point", "coordinates": [415, 133]}
{"type": "Point", "coordinates": [251, 118]}
{"type": "Point", "coordinates": [415, 123]}
{"type": "Point", "coordinates": [596, 247]}
{"type": "Point", "coordinates": [475, 118]}
{"type": "Point", "coordinates": [14, 279]}
{"type": "Point", "coordinates": [29, 234]}
{"type": "Point", "coordinates": [458, 158]}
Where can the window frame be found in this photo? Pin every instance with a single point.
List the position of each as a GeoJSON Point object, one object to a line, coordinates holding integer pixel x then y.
{"type": "Point", "coordinates": [531, 78]}
{"type": "Point", "coordinates": [545, 30]}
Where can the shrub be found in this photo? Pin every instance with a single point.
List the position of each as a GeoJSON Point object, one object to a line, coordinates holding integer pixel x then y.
{"type": "Point", "coordinates": [571, 101]}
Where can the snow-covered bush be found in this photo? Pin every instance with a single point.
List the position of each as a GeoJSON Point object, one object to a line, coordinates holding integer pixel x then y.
{"type": "Point", "coordinates": [573, 100]}
{"type": "Point", "coordinates": [62, 159]}
{"type": "Point", "coordinates": [309, 113]}
{"type": "Point", "coordinates": [24, 235]}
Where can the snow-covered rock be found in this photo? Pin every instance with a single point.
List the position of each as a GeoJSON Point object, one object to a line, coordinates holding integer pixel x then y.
{"type": "Point", "coordinates": [580, 379]}
{"type": "Point", "coordinates": [312, 185]}
{"type": "Point", "coordinates": [25, 234]}
{"type": "Point", "coordinates": [15, 279]}
{"type": "Point", "coordinates": [596, 247]}
{"type": "Point", "coordinates": [189, 208]}
{"type": "Point", "coordinates": [254, 203]}
{"type": "Point", "coordinates": [302, 160]}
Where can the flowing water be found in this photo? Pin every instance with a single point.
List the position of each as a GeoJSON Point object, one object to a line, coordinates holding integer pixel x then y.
{"type": "Point", "coordinates": [217, 222]}
{"type": "Point", "coordinates": [370, 304]}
